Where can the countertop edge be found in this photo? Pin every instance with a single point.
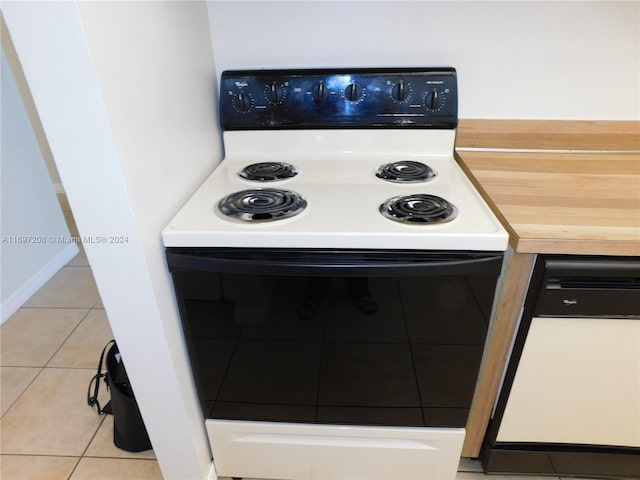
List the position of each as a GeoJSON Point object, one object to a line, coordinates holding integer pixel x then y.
{"type": "Point", "coordinates": [556, 135]}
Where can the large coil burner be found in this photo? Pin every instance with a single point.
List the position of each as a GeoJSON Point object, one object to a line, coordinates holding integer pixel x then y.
{"type": "Point", "coordinates": [419, 208]}
{"type": "Point", "coordinates": [262, 205]}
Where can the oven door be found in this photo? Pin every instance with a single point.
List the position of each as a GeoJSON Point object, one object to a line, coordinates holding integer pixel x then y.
{"type": "Point", "coordinates": [334, 339]}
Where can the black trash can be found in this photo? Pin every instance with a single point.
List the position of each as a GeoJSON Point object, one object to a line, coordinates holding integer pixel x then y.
{"type": "Point", "coordinates": [129, 432]}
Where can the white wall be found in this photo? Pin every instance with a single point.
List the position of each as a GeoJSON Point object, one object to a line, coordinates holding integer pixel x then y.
{"type": "Point", "coordinates": [515, 59]}
{"type": "Point", "coordinates": [35, 238]}
{"type": "Point", "coordinates": [126, 95]}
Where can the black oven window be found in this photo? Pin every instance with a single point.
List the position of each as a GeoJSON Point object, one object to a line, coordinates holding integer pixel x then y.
{"type": "Point", "coordinates": [400, 351]}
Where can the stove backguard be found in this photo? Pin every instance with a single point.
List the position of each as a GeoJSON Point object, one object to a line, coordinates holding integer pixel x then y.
{"type": "Point", "coordinates": [381, 338]}
{"type": "Point", "coordinates": [339, 98]}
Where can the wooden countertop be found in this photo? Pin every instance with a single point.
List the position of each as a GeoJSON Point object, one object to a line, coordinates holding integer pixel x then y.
{"type": "Point", "coordinates": [565, 197]}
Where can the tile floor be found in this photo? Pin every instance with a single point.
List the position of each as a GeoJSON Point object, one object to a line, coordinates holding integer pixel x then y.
{"type": "Point", "coordinates": [49, 352]}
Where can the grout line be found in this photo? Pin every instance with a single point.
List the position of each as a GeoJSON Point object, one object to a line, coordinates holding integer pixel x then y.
{"type": "Point", "coordinates": [48, 367]}
{"type": "Point", "coordinates": [93, 307]}
{"type": "Point", "coordinates": [91, 369]}
{"type": "Point", "coordinates": [124, 458]}
{"type": "Point", "coordinates": [60, 308]}
{"type": "Point", "coordinates": [39, 455]}
{"type": "Point", "coordinates": [94, 434]}
{"type": "Point", "coordinates": [75, 467]}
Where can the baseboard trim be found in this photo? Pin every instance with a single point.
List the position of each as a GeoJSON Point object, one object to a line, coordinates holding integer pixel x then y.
{"type": "Point", "coordinates": [37, 280]}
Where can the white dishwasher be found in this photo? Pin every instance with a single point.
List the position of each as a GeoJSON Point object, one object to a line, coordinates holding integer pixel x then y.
{"type": "Point", "coordinates": [570, 401]}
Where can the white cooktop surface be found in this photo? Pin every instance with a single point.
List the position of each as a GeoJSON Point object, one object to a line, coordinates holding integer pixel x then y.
{"type": "Point", "coordinates": [337, 178]}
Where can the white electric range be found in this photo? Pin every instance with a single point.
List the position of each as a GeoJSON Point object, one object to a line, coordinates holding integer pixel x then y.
{"type": "Point", "coordinates": [335, 276]}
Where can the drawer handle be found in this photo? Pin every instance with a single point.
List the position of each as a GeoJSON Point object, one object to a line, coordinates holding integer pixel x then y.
{"type": "Point", "coordinates": [335, 441]}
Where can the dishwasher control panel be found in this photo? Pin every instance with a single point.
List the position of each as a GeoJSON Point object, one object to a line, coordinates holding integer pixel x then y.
{"type": "Point", "coordinates": [598, 287]}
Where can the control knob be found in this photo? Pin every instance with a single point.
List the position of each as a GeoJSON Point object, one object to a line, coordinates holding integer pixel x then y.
{"type": "Point", "coordinates": [400, 91]}
{"type": "Point", "coordinates": [320, 92]}
{"type": "Point", "coordinates": [353, 92]}
{"type": "Point", "coordinates": [275, 93]}
{"type": "Point", "coordinates": [243, 100]}
{"type": "Point", "coordinates": [433, 100]}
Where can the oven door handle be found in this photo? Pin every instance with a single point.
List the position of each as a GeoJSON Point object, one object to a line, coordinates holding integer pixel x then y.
{"type": "Point", "coordinates": [334, 263]}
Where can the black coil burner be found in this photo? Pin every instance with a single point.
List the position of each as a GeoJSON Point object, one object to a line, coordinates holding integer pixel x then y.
{"type": "Point", "coordinates": [262, 205]}
{"type": "Point", "coordinates": [405, 171]}
{"type": "Point", "coordinates": [419, 208]}
{"type": "Point", "coordinates": [268, 171]}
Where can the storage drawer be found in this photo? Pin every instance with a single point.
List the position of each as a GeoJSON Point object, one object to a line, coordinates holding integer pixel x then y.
{"type": "Point", "coordinates": [331, 452]}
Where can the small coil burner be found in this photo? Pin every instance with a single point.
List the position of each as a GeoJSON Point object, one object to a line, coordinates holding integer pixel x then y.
{"type": "Point", "coordinates": [419, 208]}
{"type": "Point", "coordinates": [268, 171]}
{"type": "Point", "coordinates": [262, 205]}
{"type": "Point", "coordinates": [405, 171]}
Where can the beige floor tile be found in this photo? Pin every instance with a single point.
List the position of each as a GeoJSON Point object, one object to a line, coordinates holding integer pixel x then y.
{"type": "Point", "coordinates": [52, 416]}
{"type": "Point", "coordinates": [116, 469]}
{"type": "Point", "coordinates": [23, 467]}
{"type": "Point", "coordinates": [80, 260]}
{"type": "Point", "coordinates": [82, 349]}
{"type": "Point", "coordinates": [33, 335]}
{"type": "Point", "coordinates": [71, 287]}
{"type": "Point", "coordinates": [13, 382]}
{"type": "Point", "coordinates": [469, 465]}
{"type": "Point", "coordinates": [102, 444]}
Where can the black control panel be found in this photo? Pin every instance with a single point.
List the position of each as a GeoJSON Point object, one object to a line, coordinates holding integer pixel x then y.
{"type": "Point", "coordinates": [339, 98]}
